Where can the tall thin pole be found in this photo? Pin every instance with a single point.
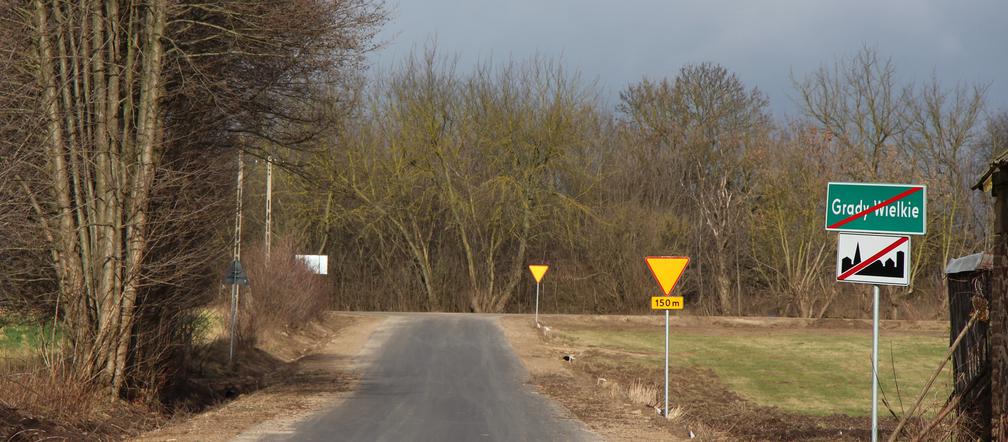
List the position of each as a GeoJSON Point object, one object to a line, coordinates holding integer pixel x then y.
{"type": "Point", "coordinates": [238, 207]}
{"type": "Point", "coordinates": [269, 202]}
{"type": "Point", "coordinates": [537, 303]}
{"type": "Point", "coordinates": [237, 254]}
{"type": "Point", "coordinates": [666, 362]}
{"type": "Point", "coordinates": [874, 377]}
{"type": "Point", "coordinates": [234, 315]}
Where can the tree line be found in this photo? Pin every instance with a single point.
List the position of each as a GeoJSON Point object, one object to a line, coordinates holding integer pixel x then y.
{"type": "Point", "coordinates": [441, 186]}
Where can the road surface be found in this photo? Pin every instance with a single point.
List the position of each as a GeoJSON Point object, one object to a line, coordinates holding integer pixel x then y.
{"type": "Point", "coordinates": [443, 377]}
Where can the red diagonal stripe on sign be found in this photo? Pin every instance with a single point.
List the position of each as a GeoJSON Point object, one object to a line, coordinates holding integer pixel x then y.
{"type": "Point", "coordinates": [872, 259]}
{"type": "Point", "coordinates": [871, 209]}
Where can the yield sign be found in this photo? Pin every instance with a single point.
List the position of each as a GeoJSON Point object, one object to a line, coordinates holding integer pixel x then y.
{"type": "Point", "coordinates": [538, 271]}
{"type": "Point", "coordinates": [667, 270]}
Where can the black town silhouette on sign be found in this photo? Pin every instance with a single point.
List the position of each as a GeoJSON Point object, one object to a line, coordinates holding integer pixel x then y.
{"type": "Point", "coordinates": [889, 268]}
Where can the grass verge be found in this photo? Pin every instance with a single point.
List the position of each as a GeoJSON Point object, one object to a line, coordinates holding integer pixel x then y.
{"type": "Point", "coordinates": [816, 372]}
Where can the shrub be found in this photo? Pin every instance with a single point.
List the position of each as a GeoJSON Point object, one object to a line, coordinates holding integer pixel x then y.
{"type": "Point", "coordinates": [50, 393]}
{"type": "Point", "coordinates": [283, 293]}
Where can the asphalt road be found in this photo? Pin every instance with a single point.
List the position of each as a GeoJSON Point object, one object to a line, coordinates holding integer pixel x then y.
{"type": "Point", "coordinates": [444, 377]}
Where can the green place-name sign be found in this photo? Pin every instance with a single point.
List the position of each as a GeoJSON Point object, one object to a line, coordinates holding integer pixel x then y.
{"type": "Point", "coordinates": [876, 208]}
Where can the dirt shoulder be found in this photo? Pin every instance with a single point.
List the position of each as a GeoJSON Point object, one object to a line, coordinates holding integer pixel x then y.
{"type": "Point", "coordinates": [736, 325]}
{"type": "Point", "coordinates": [615, 400]}
{"type": "Point", "coordinates": [605, 409]}
{"type": "Point", "coordinates": [322, 368]}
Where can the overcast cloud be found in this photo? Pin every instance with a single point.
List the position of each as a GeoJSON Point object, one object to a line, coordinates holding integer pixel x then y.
{"type": "Point", "coordinates": [619, 42]}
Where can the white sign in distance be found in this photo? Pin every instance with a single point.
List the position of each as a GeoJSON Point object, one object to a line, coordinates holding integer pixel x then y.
{"type": "Point", "coordinates": [873, 259]}
{"type": "Point", "coordinates": [318, 264]}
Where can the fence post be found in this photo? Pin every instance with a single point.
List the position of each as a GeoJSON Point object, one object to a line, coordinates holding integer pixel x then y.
{"type": "Point", "coordinates": [999, 311]}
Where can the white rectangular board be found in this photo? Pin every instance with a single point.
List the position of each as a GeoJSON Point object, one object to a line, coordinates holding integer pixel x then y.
{"type": "Point", "coordinates": [873, 259]}
{"type": "Point", "coordinates": [317, 263]}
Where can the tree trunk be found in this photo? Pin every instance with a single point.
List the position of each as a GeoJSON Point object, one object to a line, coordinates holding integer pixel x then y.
{"type": "Point", "coordinates": [148, 139]}
{"type": "Point", "coordinates": [100, 181]}
{"type": "Point", "coordinates": [721, 279]}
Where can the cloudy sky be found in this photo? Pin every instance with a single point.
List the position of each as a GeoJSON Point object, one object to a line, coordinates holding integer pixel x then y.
{"type": "Point", "coordinates": [617, 42]}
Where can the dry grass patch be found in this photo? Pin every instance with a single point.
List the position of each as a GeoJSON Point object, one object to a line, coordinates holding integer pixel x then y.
{"type": "Point", "coordinates": [817, 372]}
{"type": "Point", "coordinates": [642, 393]}
{"type": "Point", "coordinates": [39, 403]}
{"type": "Point", "coordinates": [42, 392]}
{"type": "Point", "coordinates": [750, 383]}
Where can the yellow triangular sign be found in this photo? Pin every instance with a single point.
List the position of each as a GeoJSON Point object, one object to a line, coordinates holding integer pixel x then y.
{"type": "Point", "coordinates": [538, 271]}
{"type": "Point", "coordinates": [667, 270]}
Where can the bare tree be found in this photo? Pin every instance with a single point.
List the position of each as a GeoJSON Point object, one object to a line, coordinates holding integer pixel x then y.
{"type": "Point", "coordinates": [859, 102]}
{"type": "Point", "coordinates": [136, 100]}
{"type": "Point", "coordinates": [941, 141]}
{"type": "Point", "coordinates": [790, 249]}
{"type": "Point", "coordinates": [708, 121]}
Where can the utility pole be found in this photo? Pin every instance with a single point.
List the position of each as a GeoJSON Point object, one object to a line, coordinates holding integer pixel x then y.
{"type": "Point", "coordinates": [269, 202]}
{"type": "Point", "coordinates": [236, 253]}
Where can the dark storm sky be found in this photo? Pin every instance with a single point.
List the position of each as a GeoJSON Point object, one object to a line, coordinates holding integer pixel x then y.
{"type": "Point", "coordinates": [763, 42]}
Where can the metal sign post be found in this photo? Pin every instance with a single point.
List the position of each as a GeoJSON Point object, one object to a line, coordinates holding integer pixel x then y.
{"type": "Point", "coordinates": [667, 270]}
{"type": "Point", "coordinates": [666, 363]}
{"type": "Point", "coordinates": [538, 271]}
{"type": "Point", "coordinates": [235, 276]}
{"type": "Point", "coordinates": [874, 364]}
{"type": "Point", "coordinates": [234, 319]}
{"type": "Point", "coordinates": [537, 303]}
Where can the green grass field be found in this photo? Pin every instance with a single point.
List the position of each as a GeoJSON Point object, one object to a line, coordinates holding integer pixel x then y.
{"type": "Point", "coordinates": [20, 338]}
{"type": "Point", "coordinates": [814, 372]}
{"type": "Point", "coordinates": [15, 337]}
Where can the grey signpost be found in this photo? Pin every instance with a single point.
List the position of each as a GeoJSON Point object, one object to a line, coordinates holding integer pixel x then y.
{"type": "Point", "coordinates": [538, 270]}
{"type": "Point", "coordinates": [235, 276]}
{"type": "Point", "coordinates": [874, 363]}
{"type": "Point", "coordinates": [875, 209]}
